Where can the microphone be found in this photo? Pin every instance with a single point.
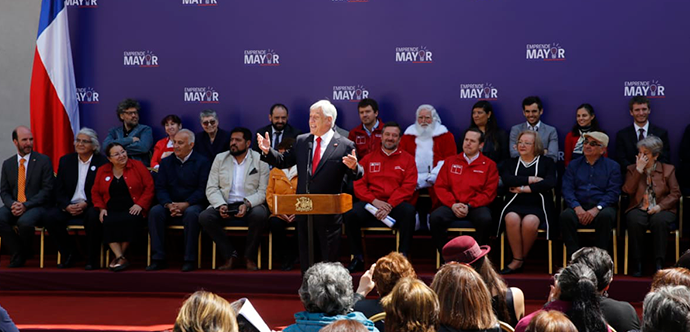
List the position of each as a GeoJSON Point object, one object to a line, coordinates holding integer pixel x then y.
{"type": "Point", "coordinates": [310, 146]}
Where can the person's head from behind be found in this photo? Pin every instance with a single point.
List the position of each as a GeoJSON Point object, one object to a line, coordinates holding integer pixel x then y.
{"type": "Point", "coordinates": [243, 324]}
{"type": "Point", "coordinates": [327, 288]}
{"type": "Point", "coordinates": [411, 307]}
{"type": "Point", "coordinates": [345, 325]}
{"type": "Point", "coordinates": [684, 260]}
{"type": "Point", "coordinates": [389, 269]}
{"type": "Point", "coordinates": [464, 298]}
{"type": "Point", "coordinates": [550, 321]}
{"type": "Point", "coordinates": [667, 309]}
{"type": "Point", "coordinates": [205, 312]}
{"type": "Point", "coordinates": [677, 276]}
{"type": "Point", "coordinates": [599, 261]}
{"type": "Point", "coordinates": [577, 284]}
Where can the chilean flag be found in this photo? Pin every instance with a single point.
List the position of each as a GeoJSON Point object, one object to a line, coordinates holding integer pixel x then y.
{"type": "Point", "coordinates": [54, 105]}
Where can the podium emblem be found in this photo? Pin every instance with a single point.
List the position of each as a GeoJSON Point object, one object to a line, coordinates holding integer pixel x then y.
{"type": "Point", "coordinates": [304, 204]}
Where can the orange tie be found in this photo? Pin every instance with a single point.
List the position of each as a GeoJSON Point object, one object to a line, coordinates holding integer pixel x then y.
{"type": "Point", "coordinates": [21, 182]}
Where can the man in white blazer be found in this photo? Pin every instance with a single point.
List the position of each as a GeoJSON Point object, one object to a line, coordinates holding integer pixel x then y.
{"type": "Point", "coordinates": [236, 190]}
{"type": "Point", "coordinates": [533, 109]}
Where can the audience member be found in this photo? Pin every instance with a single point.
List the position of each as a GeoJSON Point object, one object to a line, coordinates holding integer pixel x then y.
{"type": "Point", "coordinates": [165, 147]}
{"type": "Point", "coordinates": [122, 192]}
{"type": "Point", "coordinates": [620, 315]}
{"type": "Point", "coordinates": [654, 195]}
{"type": "Point", "coordinates": [205, 312]}
{"type": "Point", "coordinates": [495, 139]}
{"type": "Point", "coordinates": [508, 303]}
{"type": "Point", "coordinates": [533, 109]}
{"type": "Point", "coordinates": [530, 179]}
{"type": "Point", "coordinates": [26, 186]}
{"type": "Point", "coordinates": [411, 307]}
{"type": "Point", "coordinates": [367, 135]}
{"type": "Point", "coordinates": [676, 276]}
{"type": "Point", "coordinates": [464, 299]}
{"type": "Point", "coordinates": [591, 187]}
{"type": "Point", "coordinates": [327, 296]}
{"type": "Point", "coordinates": [6, 323]}
{"type": "Point", "coordinates": [551, 321]}
{"type": "Point", "coordinates": [213, 140]}
{"type": "Point", "coordinates": [180, 189]}
{"type": "Point", "coordinates": [684, 260]}
{"type": "Point", "coordinates": [243, 324]}
{"type": "Point", "coordinates": [279, 128]}
{"type": "Point", "coordinates": [134, 137]}
{"type": "Point", "coordinates": [345, 325]}
{"type": "Point", "coordinates": [628, 137]}
{"type": "Point", "coordinates": [465, 187]}
{"type": "Point", "coordinates": [388, 184]}
{"type": "Point", "coordinates": [282, 182]}
{"type": "Point", "coordinates": [585, 122]}
{"type": "Point", "coordinates": [75, 178]}
{"type": "Point", "coordinates": [236, 189]}
{"type": "Point", "coordinates": [667, 309]}
{"type": "Point", "coordinates": [574, 293]}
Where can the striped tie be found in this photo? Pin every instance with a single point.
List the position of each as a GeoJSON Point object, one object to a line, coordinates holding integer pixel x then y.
{"type": "Point", "coordinates": [21, 182]}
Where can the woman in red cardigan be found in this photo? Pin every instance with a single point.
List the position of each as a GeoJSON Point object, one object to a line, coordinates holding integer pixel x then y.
{"type": "Point", "coordinates": [164, 147]}
{"type": "Point", "coordinates": [586, 121]}
{"type": "Point", "coordinates": [122, 192]}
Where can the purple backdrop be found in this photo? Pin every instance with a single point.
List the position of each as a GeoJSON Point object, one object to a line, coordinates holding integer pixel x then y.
{"type": "Point", "coordinates": [239, 57]}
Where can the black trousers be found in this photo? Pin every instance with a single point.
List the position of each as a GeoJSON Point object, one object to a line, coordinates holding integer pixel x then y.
{"type": "Point", "coordinates": [602, 224]}
{"type": "Point", "coordinates": [257, 220]}
{"type": "Point", "coordinates": [639, 222]}
{"type": "Point", "coordinates": [355, 219]}
{"type": "Point", "coordinates": [326, 230]}
{"type": "Point", "coordinates": [285, 248]}
{"type": "Point", "coordinates": [20, 243]}
{"type": "Point", "coordinates": [56, 225]}
{"type": "Point", "coordinates": [442, 217]}
{"type": "Point", "coordinates": [159, 216]}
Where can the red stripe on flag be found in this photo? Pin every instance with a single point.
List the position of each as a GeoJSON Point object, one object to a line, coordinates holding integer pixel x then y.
{"type": "Point", "coordinates": [49, 121]}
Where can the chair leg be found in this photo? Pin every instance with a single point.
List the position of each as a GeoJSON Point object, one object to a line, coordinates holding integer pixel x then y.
{"type": "Point", "coordinates": [198, 253]}
{"type": "Point", "coordinates": [148, 252]}
{"type": "Point", "coordinates": [213, 256]}
{"type": "Point", "coordinates": [615, 251]}
{"type": "Point", "coordinates": [43, 238]}
{"type": "Point", "coordinates": [625, 254]}
{"type": "Point", "coordinates": [438, 260]}
{"type": "Point", "coordinates": [270, 250]}
{"type": "Point", "coordinates": [397, 241]}
{"type": "Point", "coordinates": [503, 250]}
{"type": "Point", "coordinates": [101, 256]}
{"type": "Point", "coordinates": [550, 257]}
{"type": "Point", "coordinates": [677, 245]}
{"type": "Point", "coordinates": [258, 258]}
{"type": "Point", "coordinates": [565, 263]}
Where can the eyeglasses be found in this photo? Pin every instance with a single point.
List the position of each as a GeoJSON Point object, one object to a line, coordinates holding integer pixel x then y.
{"type": "Point", "coordinates": [117, 154]}
{"type": "Point", "coordinates": [209, 123]}
{"type": "Point", "coordinates": [131, 112]}
{"type": "Point", "coordinates": [592, 143]}
{"type": "Point", "coordinates": [525, 143]}
{"type": "Point", "coordinates": [82, 141]}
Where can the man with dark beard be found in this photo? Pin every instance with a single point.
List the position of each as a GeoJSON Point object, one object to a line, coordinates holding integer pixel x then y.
{"type": "Point", "coordinates": [236, 190]}
{"type": "Point", "coordinates": [279, 129]}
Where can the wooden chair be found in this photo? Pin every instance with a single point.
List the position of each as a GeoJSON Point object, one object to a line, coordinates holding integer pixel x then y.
{"type": "Point", "coordinates": [174, 227]}
{"type": "Point", "coordinates": [505, 326]}
{"type": "Point", "coordinates": [270, 246]}
{"type": "Point", "coordinates": [43, 237]}
{"type": "Point", "coordinates": [378, 317]}
{"type": "Point", "coordinates": [539, 231]}
{"type": "Point", "coordinates": [232, 229]}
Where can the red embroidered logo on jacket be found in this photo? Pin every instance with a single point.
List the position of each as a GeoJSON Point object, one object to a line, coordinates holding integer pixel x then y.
{"type": "Point", "coordinates": [359, 140]}
{"type": "Point", "coordinates": [456, 169]}
{"type": "Point", "coordinates": [374, 167]}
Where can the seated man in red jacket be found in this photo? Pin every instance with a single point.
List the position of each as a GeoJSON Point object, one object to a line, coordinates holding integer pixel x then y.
{"type": "Point", "coordinates": [390, 177]}
{"type": "Point", "coordinates": [465, 186]}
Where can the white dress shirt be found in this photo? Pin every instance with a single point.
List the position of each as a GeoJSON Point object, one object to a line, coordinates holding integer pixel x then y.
{"type": "Point", "coordinates": [79, 193]}
{"type": "Point", "coordinates": [237, 193]}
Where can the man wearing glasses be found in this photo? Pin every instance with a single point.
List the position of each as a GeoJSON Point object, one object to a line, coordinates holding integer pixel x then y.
{"type": "Point", "coordinates": [212, 140]}
{"type": "Point", "coordinates": [591, 186]}
{"type": "Point", "coordinates": [75, 177]}
{"type": "Point", "coordinates": [136, 138]}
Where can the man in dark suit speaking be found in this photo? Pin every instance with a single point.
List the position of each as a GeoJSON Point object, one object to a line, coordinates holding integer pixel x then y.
{"type": "Point", "coordinates": [323, 159]}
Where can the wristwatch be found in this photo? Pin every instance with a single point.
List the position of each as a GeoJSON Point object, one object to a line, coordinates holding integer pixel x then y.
{"type": "Point", "coordinates": [599, 207]}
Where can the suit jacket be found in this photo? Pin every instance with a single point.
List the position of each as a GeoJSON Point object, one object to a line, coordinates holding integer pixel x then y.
{"type": "Point", "coordinates": [329, 175]}
{"type": "Point", "coordinates": [220, 179]}
{"type": "Point", "coordinates": [209, 150]}
{"type": "Point", "coordinates": [178, 182]}
{"type": "Point", "coordinates": [666, 186]}
{"type": "Point", "coordinates": [626, 145]}
{"type": "Point", "coordinates": [39, 181]}
{"type": "Point", "coordinates": [548, 135]}
{"type": "Point", "coordinates": [68, 176]}
{"type": "Point", "coordinates": [288, 131]}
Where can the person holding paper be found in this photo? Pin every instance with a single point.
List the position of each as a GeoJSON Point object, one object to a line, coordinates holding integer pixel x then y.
{"type": "Point", "coordinates": [388, 184]}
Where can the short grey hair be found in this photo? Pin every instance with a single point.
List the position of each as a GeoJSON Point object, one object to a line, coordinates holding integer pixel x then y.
{"type": "Point", "coordinates": [327, 288]}
{"type": "Point", "coordinates": [92, 135]}
{"type": "Point", "coordinates": [434, 114]}
{"type": "Point", "coordinates": [653, 144]}
{"type": "Point", "coordinates": [207, 113]}
{"type": "Point", "coordinates": [667, 309]}
{"type": "Point", "coordinates": [327, 108]}
{"type": "Point", "coordinates": [189, 134]}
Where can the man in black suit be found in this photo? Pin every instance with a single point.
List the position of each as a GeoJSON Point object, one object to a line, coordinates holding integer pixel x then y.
{"type": "Point", "coordinates": [212, 140]}
{"type": "Point", "coordinates": [627, 138]}
{"type": "Point", "coordinates": [323, 158]}
{"type": "Point", "coordinates": [76, 173]}
{"type": "Point", "coordinates": [279, 129]}
{"type": "Point", "coordinates": [26, 186]}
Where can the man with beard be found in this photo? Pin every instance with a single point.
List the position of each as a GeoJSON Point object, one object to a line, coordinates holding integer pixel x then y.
{"type": "Point", "coordinates": [430, 143]}
{"type": "Point", "coordinates": [279, 129]}
{"type": "Point", "coordinates": [26, 186]}
{"type": "Point", "coordinates": [136, 138]}
{"type": "Point", "coordinates": [627, 138]}
{"type": "Point", "coordinates": [367, 136]}
{"type": "Point", "coordinates": [389, 181]}
{"type": "Point", "coordinates": [212, 140]}
{"type": "Point", "coordinates": [533, 109]}
{"type": "Point", "coordinates": [236, 190]}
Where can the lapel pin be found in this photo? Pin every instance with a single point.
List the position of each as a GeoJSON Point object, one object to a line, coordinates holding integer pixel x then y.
{"type": "Point", "coordinates": [93, 168]}
{"type": "Point", "coordinates": [107, 178]}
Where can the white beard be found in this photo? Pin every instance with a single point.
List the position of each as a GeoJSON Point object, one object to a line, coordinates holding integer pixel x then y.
{"type": "Point", "coordinates": [425, 131]}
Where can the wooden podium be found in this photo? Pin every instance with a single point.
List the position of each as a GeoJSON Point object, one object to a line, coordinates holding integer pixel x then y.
{"type": "Point", "coordinates": [311, 204]}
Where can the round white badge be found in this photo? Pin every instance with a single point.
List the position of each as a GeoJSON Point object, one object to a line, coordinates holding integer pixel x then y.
{"type": "Point", "coordinates": [93, 168]}
{"type": "Point", "coordinates": [107, 178]}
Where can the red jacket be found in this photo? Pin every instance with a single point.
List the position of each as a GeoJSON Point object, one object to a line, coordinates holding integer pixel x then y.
{"type": "Point", "coordinates": [392, 179]}
{"type": "Point", "coordinates": [158, 150]}
{"type": "Point", "coordinates": [474, 184]}
{"type": "Point", "coordinates": [136, 176]}
{"type": "Point", "coordinates": [363, 142]}
{"type": "Point", "coordinates": [444, 146]}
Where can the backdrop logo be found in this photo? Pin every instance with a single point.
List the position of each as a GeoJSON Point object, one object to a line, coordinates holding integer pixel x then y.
{"type": "Point", "coordinates": [342, 1]}
{"type": "Point", "coordinates": [353, 93]}
{"type": "Point", "coordinates": [413, 54]}
{"type": "Point", "coordinates": [261, 58]}
{"type": "Point", "coordinates": [87, 95]}
{"type": "Point", "coordinates": [201, 95]}
{"type": "Point", "coordinates": [545, 52]}
{"type": "Point", "coordinates": [200, 3]}
{"type": "Point", "coordinates": [140, 59]}
{"type": "Point", "coordinates": [479, 91]}
{"type": "Point", "coordinates": [82, 3]}
{"type": "Point", "coordinates": [650, 89]}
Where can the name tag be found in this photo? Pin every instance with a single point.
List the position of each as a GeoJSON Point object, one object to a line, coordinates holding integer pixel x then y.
{"type": "Point", "coordinates": [478, 171]}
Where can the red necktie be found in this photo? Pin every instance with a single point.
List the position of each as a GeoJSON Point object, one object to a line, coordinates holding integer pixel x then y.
{"type": "Point", "coordinates": [641, 137]}
{"type": "Point", "coordinates": [317, 156]}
